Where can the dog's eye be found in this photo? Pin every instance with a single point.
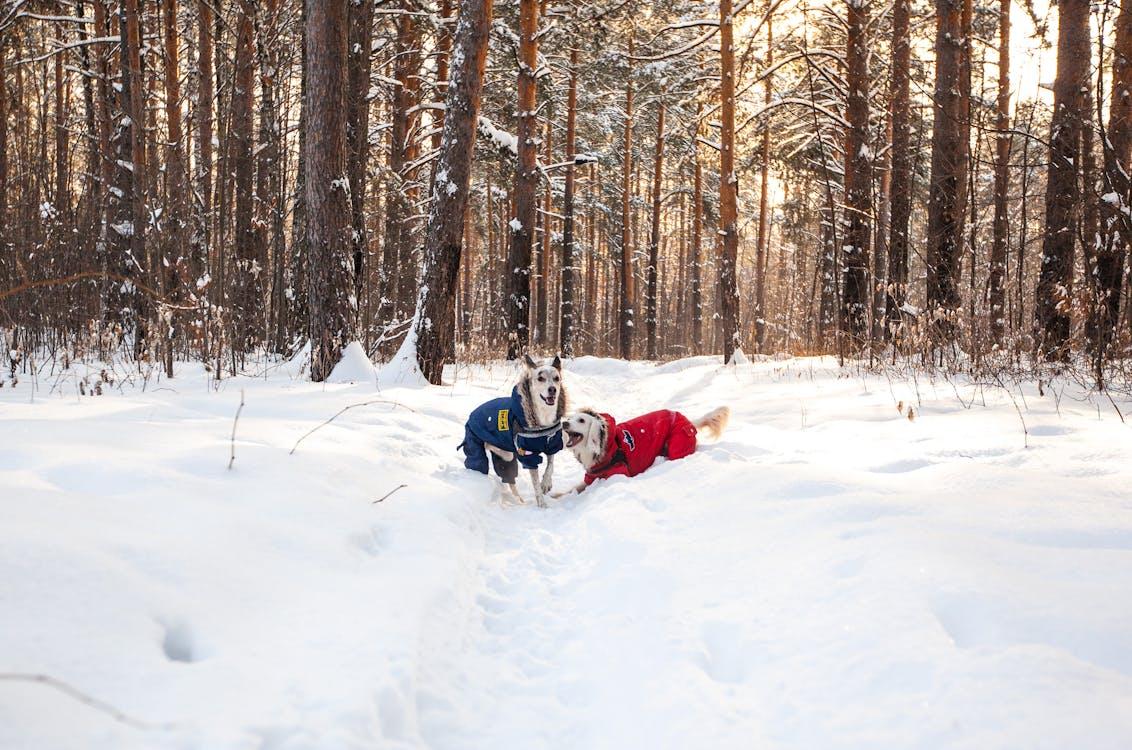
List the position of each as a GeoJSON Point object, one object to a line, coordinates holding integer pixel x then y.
{"type": "Point", "coordinates": [541, 378]}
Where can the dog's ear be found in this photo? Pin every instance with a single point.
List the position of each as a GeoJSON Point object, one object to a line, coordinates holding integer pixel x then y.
{"type": "Point", "coordinates": [530, 363]}
{"type": "Point", "coordinates": [599, 437]}
{"type": "Point", "coordinates": [557, 363]}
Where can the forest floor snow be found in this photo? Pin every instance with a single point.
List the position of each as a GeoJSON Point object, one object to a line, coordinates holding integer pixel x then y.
{"type": "Point", "coordinates": [830, 574]}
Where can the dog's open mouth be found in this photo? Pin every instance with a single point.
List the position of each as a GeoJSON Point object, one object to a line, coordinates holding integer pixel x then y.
{"type": "Point", "coordinates": [573, 438]}
{"type": "Point", "coordinates": [549, 398]}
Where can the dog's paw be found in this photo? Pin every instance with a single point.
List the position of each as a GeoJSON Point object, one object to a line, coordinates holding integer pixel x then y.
{"type": "Point", "coordinates": [546, 485]}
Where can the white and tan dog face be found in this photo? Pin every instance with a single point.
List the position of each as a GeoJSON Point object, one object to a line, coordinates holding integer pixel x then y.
{"type": "Point", "coordinates": [586, 436]}
{"type": "Point", "coordinates": [545, 381]}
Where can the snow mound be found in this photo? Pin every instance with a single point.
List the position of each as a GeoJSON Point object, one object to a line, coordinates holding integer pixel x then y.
{"type": "Point", "coordinates": [739, 358]}
{"type": "Point", "coordinates": [354, 367]}
{"type": "Point", "coordinates": [402, 370]}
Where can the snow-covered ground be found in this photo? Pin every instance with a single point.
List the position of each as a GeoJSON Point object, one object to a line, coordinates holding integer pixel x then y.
{"type": "Point", "coordinates": [830, 574]}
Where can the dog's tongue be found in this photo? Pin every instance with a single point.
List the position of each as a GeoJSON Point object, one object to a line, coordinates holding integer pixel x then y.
{"type": "Point", "coordinates": [572, 439]}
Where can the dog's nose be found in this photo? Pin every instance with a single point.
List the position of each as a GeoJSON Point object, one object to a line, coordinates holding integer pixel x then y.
{"type": "Point", "coordinates": [552, 390]}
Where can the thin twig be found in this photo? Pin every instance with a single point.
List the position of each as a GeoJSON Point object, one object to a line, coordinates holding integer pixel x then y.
{"type": "Point", "coordinates": [343, 411]}
{"type": "Point", "coordinates": [1114, 406]}
{"type": "Point", "coordinates": [235, 421]}
{"type": "Point", "coordinates": [84, 698]}
{"type": "Point", "coordinates": [387, 494]}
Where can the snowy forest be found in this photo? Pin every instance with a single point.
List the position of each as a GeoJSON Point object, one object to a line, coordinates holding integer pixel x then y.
{"type": "Point", "coordinates": [565, 374]}
{"type": "Point", "coordinates": [216, 181]}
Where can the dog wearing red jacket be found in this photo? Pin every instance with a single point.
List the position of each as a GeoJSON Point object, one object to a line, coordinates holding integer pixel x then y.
{"type": "Point", "coordinates": [606, 447]}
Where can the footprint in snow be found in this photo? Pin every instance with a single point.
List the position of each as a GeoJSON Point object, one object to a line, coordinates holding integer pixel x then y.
{"type": "Point", "coordinates": [901, 467]}
{"type": "Point", "coordinates": [180, 643]}
{"type": "Point", "coordinates": [1050, 430]}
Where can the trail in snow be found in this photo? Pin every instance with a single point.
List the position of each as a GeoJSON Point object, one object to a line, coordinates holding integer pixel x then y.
{"type": "Point", "coordinates": [829, 574]}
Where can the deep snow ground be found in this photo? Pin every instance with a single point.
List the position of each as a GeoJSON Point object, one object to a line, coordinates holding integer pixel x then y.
{"type": "Point", "coordinates": [828, 575]}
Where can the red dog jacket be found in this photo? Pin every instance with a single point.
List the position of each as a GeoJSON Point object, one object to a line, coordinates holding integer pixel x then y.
{"type": "Point", "coordinates": [633, 446]}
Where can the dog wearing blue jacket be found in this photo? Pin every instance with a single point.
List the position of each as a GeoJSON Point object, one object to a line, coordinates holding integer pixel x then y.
{"type": "Point", "coordinates": [520, 429]}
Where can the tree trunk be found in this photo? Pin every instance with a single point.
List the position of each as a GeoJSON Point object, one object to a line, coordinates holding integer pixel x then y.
{"type": "Point", "coordinates": [569, 255]}
{"type": "Point", "coordinates": [4, 156]}
{"type": "Point", "coordinates": [357, 129]}
{"type": "Point", "coordinates": [728, 190]}
{"type": "Point", "coordinates": [526, 187]}
{"type": "Point", "coordinates": [625, 326]}
{"type": "Point", "coordinates": [125, 235]}
{"type": "Point", "coordinates": [654, 238]}
{"type": "Point", "coordinates": [202, 207]}
{"type": "Point", "coordinates": [297, 275]}
{"type": "Point", "coordinates": [948, 189]}
{"type": "Point", "coordinates": [246, 284]}
{"type": "Point", "coordinates": [697, 239]}
{"type": "Point", "coordinates": [900, 192]}
{"type": "Point", "coordinates": [436, 311]}
{"type": "Point", "coordinates": [398, 274]}
{"type": "Point", "coordinates": [858, 180]}
{"type": "Point", "coordinates": [327, 186]}
{"type": "Point", "coordinates": [1063, 199]}
{"type": "Point", "coordinates": [1105, 311]}
{"type": "Point", "coordinates": [270, 168]}
{"type": "Point", "coordinates": [1001, 229]}
{"type": "Point", "coordinates": [764, 187]}
{"type": "Point", "coordinates": [176, 219]}
{"type": "Point", "coordinates": [542, 296]}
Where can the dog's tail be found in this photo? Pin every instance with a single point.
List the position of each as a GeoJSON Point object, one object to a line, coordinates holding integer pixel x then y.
{"type": "Point", "coordinates": [714, 422]}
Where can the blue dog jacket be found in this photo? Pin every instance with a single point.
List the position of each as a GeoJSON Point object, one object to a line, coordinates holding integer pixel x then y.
{"type": "Point", "coordinates": [501, 422]}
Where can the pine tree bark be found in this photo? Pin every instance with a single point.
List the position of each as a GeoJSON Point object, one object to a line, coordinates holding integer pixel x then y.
{"type": "Point", "coordinates": [996, 296]}
{"type": "Point", "coordinates": [728, 189]}
{"type": "Point", "coordinates": [526, 187]}
{"type": "Point", "coordinates": [625, 326]}
{"type": "Point", "coordinates": [436, 309]}
{"type": "Point", "coordinates": [697, 240]}
{"type": "Point", "coordinates": [247, 297]}
{"type": "Point", "coordinates": [543, 290]}
{"type": "Point", "coordinates": [654, 235]}
{"type": "Point", "coordinates": [1117, 227]}
{"type": "Point", "coordinates": [569, 255]}
{"type": "Point", "coordinates": [126, 202]}
{"type": "Point", "coordinates": [398, 276]}
{"type": "Point", "coordinates": [762, 249]}
{"type": "Point", "coordinates": [269, 168]}
{"type": "Point", "coordinates": [175, 261]}
{"type": "Point", "coordinates": [950, 148]}
{"type": "Point", "coordinates": [202, 207]}
{"type": "Point", "coordinates": [858, 181]}
{"type": "Point", "coordinates": [900, 192]}
{"type": "Point", "coordinates": [296, 277]}
{"type": "Point", "coordinates": [357, 129]}
{"type": "Point", "coordinates": [4, 155]}
{"type": "Point", "coordinates": [1063, 198]}
{"type": "Point", "coordinates": [327, 186]}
